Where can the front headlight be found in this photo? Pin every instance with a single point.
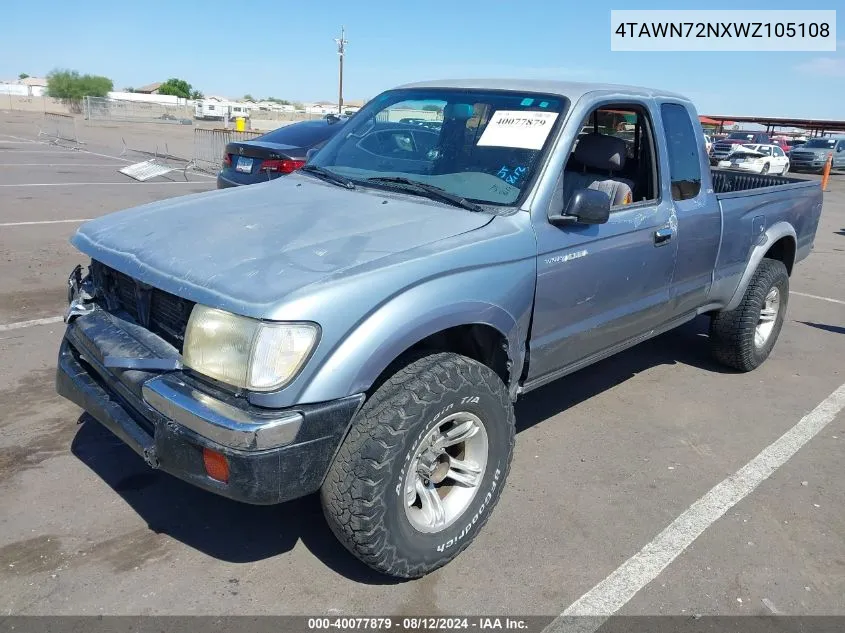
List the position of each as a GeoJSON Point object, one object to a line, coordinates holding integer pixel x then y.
{"type": "Point", "coordinates": [244, 352]}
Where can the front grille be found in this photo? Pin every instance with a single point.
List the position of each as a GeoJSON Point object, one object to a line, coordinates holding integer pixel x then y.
{"type": "Point", "coordinates": [160, 312]}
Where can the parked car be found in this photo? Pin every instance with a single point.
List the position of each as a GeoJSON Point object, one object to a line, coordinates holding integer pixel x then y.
{"type": "Point", "coordinates": [781, 142]}
{"type": "Point", "coordinates": [364, 326]}
{"type": "Point", "coordinates": [760, 159]}
{"type": "Point", "coordinates": [794, 143]}
{"type": "Point", "coordinates": [274, 154]}
{"type": "Point", "coordinates": [812, 155]}
{"type": "Point", "coordinates": [708, 144]}
{"type": "Point", "coordinates": [722, 147]}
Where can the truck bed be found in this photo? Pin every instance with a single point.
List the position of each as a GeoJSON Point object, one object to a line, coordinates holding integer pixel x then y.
{"type": "Point", "coordinates": [750, 204]}
{"type": "Point", "coordinates": [727, 181]}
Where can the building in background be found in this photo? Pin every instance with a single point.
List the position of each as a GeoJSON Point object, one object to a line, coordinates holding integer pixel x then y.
{"type": "Point", "coordinates": [150, 89]}
{"type": "Point", "coordinates": [29, 87]}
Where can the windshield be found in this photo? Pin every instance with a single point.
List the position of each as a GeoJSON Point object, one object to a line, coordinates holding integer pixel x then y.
{"type": "Point", "coordinates": [745, 136]}
{"type": "Point", "coordinates": [821, 143]}
{"type": "Point", "coordinates": [484, 146]}
{"type": "Point", "coordinates": [759, 148]}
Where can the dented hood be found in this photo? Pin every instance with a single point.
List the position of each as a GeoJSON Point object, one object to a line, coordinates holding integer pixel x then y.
{"type": "Point", "coordinates": [744, 150]}
{"type": "Point", "coordinates": [246, 248]}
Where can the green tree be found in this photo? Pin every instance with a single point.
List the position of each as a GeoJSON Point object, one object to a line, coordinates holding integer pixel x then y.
{"type": "Point", "coordinates": [248, 97]}
{"type": "Point", "coordinates": [71, 87]}
{"type": "Point", "coordinates": [279, 101]}
{"type": "Point", "coordinates": [432, 108]}
{"type": "Point", "coordinates": [175, 87]}
{"type": "Point", "coordinates": [129, 89]}
{"type": "Point", "coordinates": [196, 94]}
{"type": "Point", "coordinates": [23, 76]}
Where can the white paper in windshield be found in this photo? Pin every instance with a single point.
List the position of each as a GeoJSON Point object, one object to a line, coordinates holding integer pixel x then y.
{"type": "Point", "coordinates": [517, 128]}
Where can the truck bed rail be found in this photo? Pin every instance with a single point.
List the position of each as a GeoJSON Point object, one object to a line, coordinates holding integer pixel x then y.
{"type": "Point", "coordinates": [726, 181]}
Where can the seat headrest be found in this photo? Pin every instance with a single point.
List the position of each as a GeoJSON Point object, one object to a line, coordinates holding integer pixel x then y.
{"type": "Point", "coordinates": [599, 151]}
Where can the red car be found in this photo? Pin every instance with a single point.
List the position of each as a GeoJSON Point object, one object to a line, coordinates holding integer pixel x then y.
{"type": "Point", "coordinates": [781, 142]}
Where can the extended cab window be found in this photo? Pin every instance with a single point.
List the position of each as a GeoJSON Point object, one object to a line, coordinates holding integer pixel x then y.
{"type": "Point", "coordinates": [615, 154]}
{"type": "Point", "coordinates": [682, 145]}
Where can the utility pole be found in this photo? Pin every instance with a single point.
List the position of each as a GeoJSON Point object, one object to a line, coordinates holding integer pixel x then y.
{"type": "Point", "coordinates": [341, 49]}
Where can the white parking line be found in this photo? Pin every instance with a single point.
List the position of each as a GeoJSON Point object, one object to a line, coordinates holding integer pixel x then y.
{"type": "Point", "coordinates": [77, 150]}
{"type": "Point", "coordinates": [612, 593]}
{"type": "Point", "coordinates": [22, 324]}
{"type": "Point", "coordinates": [44, 222]}
{"type": "Point", "coordinates": [101, 184]}
{"type": "Point", "coordinates": [37, 151]}
{"type": "Point", "coordinates": [18, 138]}
{"type": "Point", "coordinates": [126, 160]}
{"type": "Point", "coordinates": [61, 165]}
{"type": "Point", "coordinates": [804, 294]}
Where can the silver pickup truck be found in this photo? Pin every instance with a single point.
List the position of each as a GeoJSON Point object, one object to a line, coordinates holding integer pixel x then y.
{"type": "Point", "coordinates": [363, 327]}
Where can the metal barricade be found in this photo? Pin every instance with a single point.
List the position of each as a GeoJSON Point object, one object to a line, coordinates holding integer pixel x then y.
{"type": "Point", "coordinates": [59, 127]}
{"type": "Point", "coordinates": [106, 109]}
{"type": "Point", "coordinates": [209, 145]}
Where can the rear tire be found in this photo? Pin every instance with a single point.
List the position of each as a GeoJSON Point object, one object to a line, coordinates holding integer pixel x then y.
{"type": "Point", "coordinates": [378, 504]}
{"type": "Point", "coordinates": [744, 337]}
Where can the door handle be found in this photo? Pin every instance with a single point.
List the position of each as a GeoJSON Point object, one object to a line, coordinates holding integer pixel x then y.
{"type": "Point", "coordinates": [662, 236]}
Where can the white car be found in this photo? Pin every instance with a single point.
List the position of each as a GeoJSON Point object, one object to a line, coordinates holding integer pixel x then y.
{"type": "Point", "coordinates": [708, 144]}
{"type": "Point", "coordinates": [760, 159]}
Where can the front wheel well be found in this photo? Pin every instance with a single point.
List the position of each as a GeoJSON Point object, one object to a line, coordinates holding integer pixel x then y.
{"type": "Point", "coordinates": [784, 251]}
{"type": "Point", "coordinates": [477, 341]}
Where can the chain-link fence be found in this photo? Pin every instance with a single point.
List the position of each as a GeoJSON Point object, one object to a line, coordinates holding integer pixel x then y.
{"type": "Point", "coordinates": [105, 109]}
{"type": "Point", "coordinates": [209, 146]}
{"type": "Point", "coordinates": [59, 127]}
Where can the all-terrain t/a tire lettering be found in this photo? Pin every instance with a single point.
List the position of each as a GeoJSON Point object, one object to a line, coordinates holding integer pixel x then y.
{"type": "Point", "coordinates": [366, 497]}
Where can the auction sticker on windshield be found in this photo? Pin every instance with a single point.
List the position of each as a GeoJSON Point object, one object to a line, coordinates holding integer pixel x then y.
{"type": "Point", "coordinates": [518, 128]}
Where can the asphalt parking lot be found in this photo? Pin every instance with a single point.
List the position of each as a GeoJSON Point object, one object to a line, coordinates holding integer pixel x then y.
{"type": "Point", "coordinates": [606, 460]}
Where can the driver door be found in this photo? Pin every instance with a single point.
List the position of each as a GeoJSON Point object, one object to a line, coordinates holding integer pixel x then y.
{"type": "Point", "coordinates": [600, 286]}
{"type": "Point", "coordinates": [839, 156]}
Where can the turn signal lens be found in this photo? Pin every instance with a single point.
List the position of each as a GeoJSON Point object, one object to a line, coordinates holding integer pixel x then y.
{"type": "Point", "coordinates": [216, 465]}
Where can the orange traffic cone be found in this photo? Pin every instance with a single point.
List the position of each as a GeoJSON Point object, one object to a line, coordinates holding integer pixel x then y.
{"type": "Point", "coordinates": [826, 172]}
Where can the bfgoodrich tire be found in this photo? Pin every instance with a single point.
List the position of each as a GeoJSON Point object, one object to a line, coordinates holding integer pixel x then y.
{"type": "Point", "coordinates": [744, 337]}
{"type": "Point", "coordinates": [423, 465]}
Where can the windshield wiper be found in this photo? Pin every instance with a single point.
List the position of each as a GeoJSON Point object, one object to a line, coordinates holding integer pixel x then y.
{"type": "Point", "coordinates": [429, 191]}
{"type": "Point", "coordinates": [327, 174]}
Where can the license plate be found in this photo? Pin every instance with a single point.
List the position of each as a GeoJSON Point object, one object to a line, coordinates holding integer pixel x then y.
{"type": "Point", "coordinates": [244, 164]}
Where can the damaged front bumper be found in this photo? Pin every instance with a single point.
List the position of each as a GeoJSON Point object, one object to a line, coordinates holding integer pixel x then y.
{"type": "Point", "coordinates": [129, 380]}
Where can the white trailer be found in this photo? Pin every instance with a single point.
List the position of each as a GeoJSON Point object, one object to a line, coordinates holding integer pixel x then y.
{"type": "Point", "coordinates": [219, 110]}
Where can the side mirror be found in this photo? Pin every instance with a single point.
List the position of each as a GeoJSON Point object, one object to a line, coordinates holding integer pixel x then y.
{"type": "Point", "coordinates": [587, 206]}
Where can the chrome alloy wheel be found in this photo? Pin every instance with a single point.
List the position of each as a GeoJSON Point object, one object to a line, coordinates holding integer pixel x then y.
{"type": "Point", "coordinates": [767, 319]}
{"type": "Point", "coordinates": [445, 472]}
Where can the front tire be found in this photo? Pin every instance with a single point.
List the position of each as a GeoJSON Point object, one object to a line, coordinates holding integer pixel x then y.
{"type": "Point", "coordinates": [423, 465]}
{"type": "Point", "coordinates": [744, 337]}
{"type": "Point", "coordinates": [785, 170]}
{"type": "Point", "coordinates": [765, 169]}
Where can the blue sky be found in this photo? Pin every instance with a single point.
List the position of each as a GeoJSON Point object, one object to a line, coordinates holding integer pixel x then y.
{"type": "Point", "coordinates": [286, 49]}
